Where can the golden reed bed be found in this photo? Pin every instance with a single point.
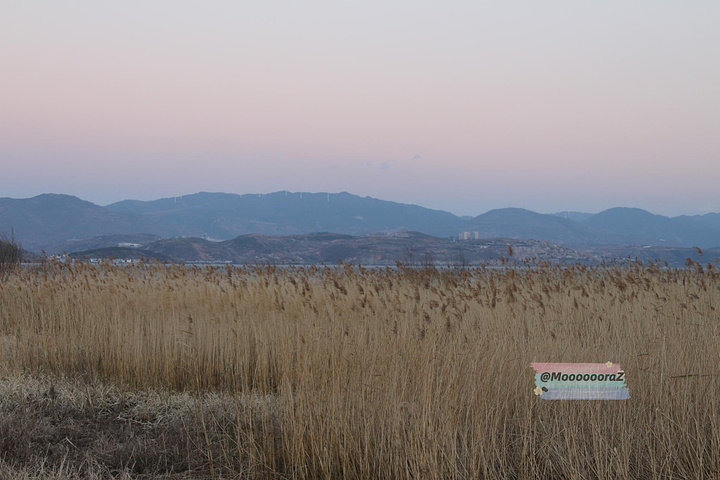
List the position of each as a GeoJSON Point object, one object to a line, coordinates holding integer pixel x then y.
{"type": "Point", "coordinates": [361, 373]}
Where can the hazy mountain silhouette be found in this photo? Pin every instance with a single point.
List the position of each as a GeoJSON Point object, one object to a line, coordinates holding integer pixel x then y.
{"type": "Point", "coordinates": [48, 219]}
{"type": "Point", "coordinates": [523, 224]}
{"type": "Point", "coordinates": [711, 220]}
{"type": "Point", "coordinates": [641, 226]}
{"type": "Point", "coordinates": [224, 215]}
{"type": "Point", "coordinates": [59, 223]}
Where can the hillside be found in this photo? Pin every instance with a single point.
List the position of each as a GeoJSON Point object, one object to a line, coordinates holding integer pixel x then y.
{"type": "Point", "coordinates": [410, 248]}
{"type": "Point", "coordinates": [224, 215]}
{"type": "Point", "coordinates": [525, 224]}
{"type": "Point", "coordinates": [640, 226]}
{"type": "Point", "coordinates": [48, 219]}
{"type": "Point", "coordinates": [63, 223]}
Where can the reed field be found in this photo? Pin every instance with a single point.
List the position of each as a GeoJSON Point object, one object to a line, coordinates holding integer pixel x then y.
{"type": "Point", "coordinates": [172, 371]}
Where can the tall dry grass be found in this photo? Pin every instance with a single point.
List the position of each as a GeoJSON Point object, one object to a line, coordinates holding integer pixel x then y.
{"type": "Point", "coordinates": [394, 373]}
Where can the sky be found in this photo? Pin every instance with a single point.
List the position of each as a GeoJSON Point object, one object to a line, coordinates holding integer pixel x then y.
{"type": "Point", "coordinates": [463, 106]}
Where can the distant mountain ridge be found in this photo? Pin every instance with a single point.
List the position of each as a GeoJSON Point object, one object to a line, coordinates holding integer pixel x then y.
{"type": "Point", "coordinates": [649, 228]}
{"type": "Point", "coordinates": [224, 215]}
{"type": "Point", "coordinates": [56, 223]}
{"type": "Point", "coordinates": [526, 224]}
{"type": "Point", "coordinates": [48, 219]}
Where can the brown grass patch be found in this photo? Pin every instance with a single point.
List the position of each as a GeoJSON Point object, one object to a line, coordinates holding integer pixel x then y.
{"type": "Point", "coordinates": [355, 373]}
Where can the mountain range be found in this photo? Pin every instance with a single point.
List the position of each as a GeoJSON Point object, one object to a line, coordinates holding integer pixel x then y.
{"type": "Point", "coordinates": [54, 223]}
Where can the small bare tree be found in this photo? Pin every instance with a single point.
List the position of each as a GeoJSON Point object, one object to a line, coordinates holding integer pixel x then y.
{"type": "Point", "coordinates": [409, 255]}
{"type": "Point", "coordinates": [428, 261]}
{"type": "Point", "coordinates": [10, 254]}
{"type": "Point", "coordinates": [459, 262]}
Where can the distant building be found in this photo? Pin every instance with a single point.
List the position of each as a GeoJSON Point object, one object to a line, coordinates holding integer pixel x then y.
{"type": "Point", "coordinates": [476, 235]}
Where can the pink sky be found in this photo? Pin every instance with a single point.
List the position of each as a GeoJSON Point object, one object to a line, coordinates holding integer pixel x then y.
{"type": "Point", "coordinates": [548, 106]}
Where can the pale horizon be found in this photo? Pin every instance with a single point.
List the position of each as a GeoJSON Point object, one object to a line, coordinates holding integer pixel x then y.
{"type": "Point", "coordinates": [463, 107]}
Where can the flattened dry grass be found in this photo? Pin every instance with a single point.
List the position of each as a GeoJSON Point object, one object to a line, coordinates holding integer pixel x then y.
{"type": "Point", "coordinates": [354, 373]}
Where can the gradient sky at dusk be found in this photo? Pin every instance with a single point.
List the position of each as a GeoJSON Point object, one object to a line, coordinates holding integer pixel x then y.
{"type": "Point", "coordinates": [463, 106]}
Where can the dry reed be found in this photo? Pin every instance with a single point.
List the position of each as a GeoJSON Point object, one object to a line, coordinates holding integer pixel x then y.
{"type": "Point", "coordinates": [392, 373]}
